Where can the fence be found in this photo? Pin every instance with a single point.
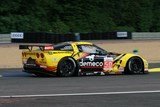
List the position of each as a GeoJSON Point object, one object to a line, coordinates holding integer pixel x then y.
{"type": "Point", "coordinates": [43, 37]}
{"type": "Point", "coordinates": [50, 37]}
{"type": "Point", "coordinates": [5, 38]}
{"type": "Point", "coordinates": [145, 35]}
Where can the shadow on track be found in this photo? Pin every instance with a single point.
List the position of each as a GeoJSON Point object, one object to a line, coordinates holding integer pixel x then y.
{"type": "Point", "coordinates": [14, 73]}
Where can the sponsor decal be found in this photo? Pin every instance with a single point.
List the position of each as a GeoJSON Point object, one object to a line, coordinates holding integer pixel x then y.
{"type": "Point", "coordinates": [97, 62]}
{"type": "Point", "coordinates": [91, 57]}
{"type": "Point", "coordinates": [50, 53]}
{"type": "Point", "coordinates": [30, 53]}
{"type": "Point", "coordinates": [59, 52]}
{"type": "Point", "coordinates": [90, 63]}
{"type": "Point", "coordinates": [121, 34]}
{"type": "Point", "coordinates": [17, 35]}
{"type": "Point", "coordinates": [108, 63]}
{"type": "Point", "coordinates": [48, 48]}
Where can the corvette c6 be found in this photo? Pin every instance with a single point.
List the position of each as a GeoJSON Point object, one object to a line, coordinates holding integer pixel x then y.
{"type": "Point", "coordinates": [79, 58]}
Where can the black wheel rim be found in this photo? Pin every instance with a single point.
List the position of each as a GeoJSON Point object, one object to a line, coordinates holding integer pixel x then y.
{"type": "Point", "coordinates": [136, 65]}
{"type": "Point", "coordinates": [67, 68]}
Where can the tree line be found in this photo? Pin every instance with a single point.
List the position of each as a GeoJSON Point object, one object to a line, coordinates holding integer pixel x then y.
{"type": "Point", "coordinates": [63, 16]}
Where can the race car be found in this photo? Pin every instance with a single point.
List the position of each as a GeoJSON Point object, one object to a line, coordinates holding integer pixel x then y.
{"type": "Point", "coordinates": [79, 58]}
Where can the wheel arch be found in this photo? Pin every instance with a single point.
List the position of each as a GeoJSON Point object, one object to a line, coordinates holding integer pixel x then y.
{"type": "Point", "coordinates": [127, 62]}
{"type": "Point", "coordinates": [126, 58]}
{"type": "Point", "coordinates": [66, 57]}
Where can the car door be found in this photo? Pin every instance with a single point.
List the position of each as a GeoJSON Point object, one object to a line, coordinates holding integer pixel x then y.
{"type": "Point", "coordinates": [94, 58]}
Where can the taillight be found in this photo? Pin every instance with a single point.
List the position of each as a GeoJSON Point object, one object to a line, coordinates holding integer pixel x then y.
{"type": "Point", "coordinates": [42, 55]}
{"type": "Point", "coordinates": [37, 55]}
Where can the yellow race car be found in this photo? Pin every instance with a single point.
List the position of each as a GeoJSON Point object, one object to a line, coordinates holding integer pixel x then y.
{"type": "Point", "coordinates": [79, 58]}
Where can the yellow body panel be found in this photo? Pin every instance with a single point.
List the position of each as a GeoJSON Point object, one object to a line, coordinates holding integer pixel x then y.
{"type": "Point", "coordinates": [50, 60]}
{"type": "Point", "coordinates": [123, 59]}
{"type": "Point", "coordinates": [52, 57]}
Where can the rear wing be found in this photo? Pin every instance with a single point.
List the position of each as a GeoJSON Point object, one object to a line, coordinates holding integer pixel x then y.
{"type": "Point", "coordinates": [41, 47]}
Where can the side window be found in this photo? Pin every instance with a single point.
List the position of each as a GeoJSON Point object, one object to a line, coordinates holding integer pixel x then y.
{"type": "Point", "coordinates": [91, 49]}
{"type": "Point", "coordinates": [64, 48]}
{"type": "Point", "coordinates": [87, 48]}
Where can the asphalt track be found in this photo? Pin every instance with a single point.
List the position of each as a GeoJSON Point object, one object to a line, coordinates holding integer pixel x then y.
{"type": "Point", "coordinates": [19, 89]}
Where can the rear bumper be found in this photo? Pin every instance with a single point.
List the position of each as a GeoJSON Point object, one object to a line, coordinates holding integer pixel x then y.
{"type": "Point", "coordinates": [38, 71]}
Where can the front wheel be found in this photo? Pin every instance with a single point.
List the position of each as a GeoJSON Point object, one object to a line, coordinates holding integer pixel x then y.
{"type": "Point", "coordinates": [67, 67]}
{"type": "Point", "coordinates": [134, 65]}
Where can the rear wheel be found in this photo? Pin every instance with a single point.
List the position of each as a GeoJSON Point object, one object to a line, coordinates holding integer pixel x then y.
{"type": "Point", "coordinates": [67, 67]}
{"type": "Point", "coordinates": [134, 66]}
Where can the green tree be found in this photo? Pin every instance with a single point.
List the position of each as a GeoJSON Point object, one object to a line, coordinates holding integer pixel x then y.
{"type": "Point", "coordinates": [59, 27]}
{"type": "Point", "coordinates": [156, 16]}
{"type": "Point", "coordinates": [62, 16]}
{"type": "Point", "coordinates": [145, 15]}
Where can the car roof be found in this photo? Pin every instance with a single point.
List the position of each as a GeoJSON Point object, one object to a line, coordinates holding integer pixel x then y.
{"type": "Point", "coordinates": [82, 42]}
{"type": "Point", "coordinates": [72, 42]}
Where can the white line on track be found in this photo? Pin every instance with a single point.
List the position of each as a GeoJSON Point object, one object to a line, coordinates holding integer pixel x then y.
{"type": "Point", "coordinates": [80, 94]}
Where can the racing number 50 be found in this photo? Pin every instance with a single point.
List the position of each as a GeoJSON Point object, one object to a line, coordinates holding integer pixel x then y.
{"type": "Point", "coordinates": [108, 65]}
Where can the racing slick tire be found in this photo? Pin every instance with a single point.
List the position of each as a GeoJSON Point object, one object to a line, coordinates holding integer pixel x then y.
{"type": "Point", "coordinates": [134, 65]}
{"type": "Point", "coordinates": [67, 67]}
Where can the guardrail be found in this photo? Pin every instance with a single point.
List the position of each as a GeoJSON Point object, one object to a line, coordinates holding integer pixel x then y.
{"type": "Point", "coordinates": [145, 35]}
{"type": "Point", "coordinates": [5, 38]}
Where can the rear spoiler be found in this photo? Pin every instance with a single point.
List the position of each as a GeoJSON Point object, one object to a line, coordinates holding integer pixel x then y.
{"type": "Point", "coordinates": [41, 47]}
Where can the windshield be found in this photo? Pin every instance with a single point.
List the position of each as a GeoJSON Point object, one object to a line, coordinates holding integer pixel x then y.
{"type": "Point", "coordinates": [92, 49]}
